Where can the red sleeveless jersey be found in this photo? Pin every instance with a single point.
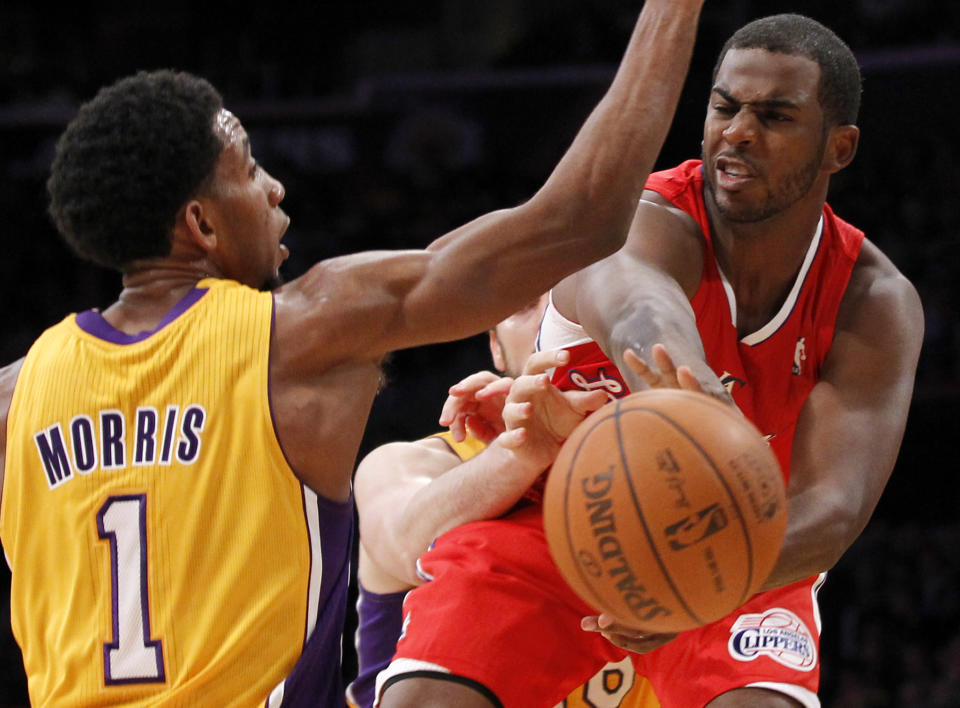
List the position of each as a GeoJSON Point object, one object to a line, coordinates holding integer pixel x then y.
{"type": "Point", "coordinates": [769, 372]}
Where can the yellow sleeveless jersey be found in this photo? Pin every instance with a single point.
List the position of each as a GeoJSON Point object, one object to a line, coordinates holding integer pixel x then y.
{"type": "Point", "coordinates": [163, 553]}
{"type": "Point", "coordinates": [616, 685]}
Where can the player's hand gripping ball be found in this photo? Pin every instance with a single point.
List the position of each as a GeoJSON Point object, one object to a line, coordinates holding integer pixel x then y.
{"type": "Point", "coordinates": [665, 509]}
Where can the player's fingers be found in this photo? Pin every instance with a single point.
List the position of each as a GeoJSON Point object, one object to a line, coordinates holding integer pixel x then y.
{"type": "Point", "coordinates": [456, 422]}
{"type": "Point", "coordinates": [481, 430]}
{"type": "Point", "coordinates": [500, 387]}
{"type": "Point", "coordinates": [639, 644]}
{"type": "Point", "coordinates": [641, 368]}
{"type": "Point", "coordinates": [540, 362]}
{"type": "Point", "coordinates": [526, 387]}
{"type": "Point", "coordinates": [625, 637]}
{"type": "Point", "coordinates": [687, 380]}
{"type": "Point", "coordinates": [634, 362]}
{"type": "Point", "coordinates": [455, 406]}
{"type": "Point", "coordinates": [516, 413]}
{"type": "Point", "coordinates": [589, 624]}
{"type": "Point", "coordinates": [472, 383]}
{"type": "Point", "coordinates": [514, 438]}
{"type": "Point", "coordinates": [663, 361]}
{"type": "Point", "coordinates": [584, 402]}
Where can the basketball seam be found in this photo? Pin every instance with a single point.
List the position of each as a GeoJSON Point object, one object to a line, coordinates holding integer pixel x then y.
{"type": "Point", "coordinates": [598, 599]}
{"type": "Point", "coordinates": [727, 489]}
{"type": "Point", "coordinates": [640, 515]}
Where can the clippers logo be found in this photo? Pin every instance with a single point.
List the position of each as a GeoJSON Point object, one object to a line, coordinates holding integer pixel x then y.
{"type": "Point", "coordinates": [777, 634]}
{"type": "Point", "coordinates": [614, 387]}
{"type": "Point", "coordinates": [693, 529]}
{"type": "Point", "coordinates": [799, 356]}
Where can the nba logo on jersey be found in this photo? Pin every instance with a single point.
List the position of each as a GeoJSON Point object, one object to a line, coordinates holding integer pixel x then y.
{"type": "Point", "coordinates": [799, 356]}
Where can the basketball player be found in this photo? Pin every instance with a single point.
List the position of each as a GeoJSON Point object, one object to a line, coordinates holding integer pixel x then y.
{"type": "Point", "coordinates": [403, 502]}
{"type": "Point", "coordinates": [737, 279]}
{"type": "Point", "coordinates": [176, 504]}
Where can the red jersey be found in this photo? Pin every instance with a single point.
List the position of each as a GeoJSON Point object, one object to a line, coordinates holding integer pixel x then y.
{"type": "Point", "coordinates": [769, 372]}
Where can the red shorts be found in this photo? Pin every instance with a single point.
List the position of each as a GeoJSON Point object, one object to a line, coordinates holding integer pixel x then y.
{"type": "Point", "coordinates": [497, 614]}
{"type": "Point", "coordinates": [773, 641]}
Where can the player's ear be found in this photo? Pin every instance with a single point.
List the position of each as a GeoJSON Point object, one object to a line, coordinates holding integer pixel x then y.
{"type": "Point", "coordinates": [842, 146]}
{"type": "Point", "coordinates": [496, 352]}
{"type": "Point", "coordinates": [193, 221]}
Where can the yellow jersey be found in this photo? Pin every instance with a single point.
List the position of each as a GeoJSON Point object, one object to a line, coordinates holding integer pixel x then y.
{"type": "Point", "coordinates": [163, 553]}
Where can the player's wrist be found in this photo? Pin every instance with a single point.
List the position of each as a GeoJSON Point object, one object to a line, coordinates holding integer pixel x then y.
{"type": "Point", "coordinates": [523, 461]}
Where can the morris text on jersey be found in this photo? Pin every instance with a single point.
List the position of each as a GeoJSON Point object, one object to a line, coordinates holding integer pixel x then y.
{"type": "Point", "coordinates": [105, 441]}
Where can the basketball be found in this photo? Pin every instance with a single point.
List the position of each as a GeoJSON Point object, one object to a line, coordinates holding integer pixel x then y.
{"type": "Point", "coordinates": [665, 509]}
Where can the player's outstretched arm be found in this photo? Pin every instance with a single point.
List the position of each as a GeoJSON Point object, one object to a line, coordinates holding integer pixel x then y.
{"type": "Point", "coordinates": [638, 301]}
{"type": "Point", "coordinates": [333, 325]}
{"type": "Point", "coordinates": [849, 431]}
{"type": "Point", "coordinates": [471, 278]}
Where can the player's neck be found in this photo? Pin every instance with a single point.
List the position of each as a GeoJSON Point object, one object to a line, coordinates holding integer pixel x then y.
{"type": "Point", "coordinates": [761, 260]}
{"type": "Point", "coordinates": [150, 290]}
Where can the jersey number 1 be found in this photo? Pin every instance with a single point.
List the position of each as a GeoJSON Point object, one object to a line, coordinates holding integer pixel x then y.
{"type": "Point", "coordinates": [131, 656]}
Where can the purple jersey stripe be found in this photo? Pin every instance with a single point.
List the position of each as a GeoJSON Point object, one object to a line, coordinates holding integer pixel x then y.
{"type": "Point", "coordinates": [317, 680]}
{"type": "Point", "coordinates": [92, 322]}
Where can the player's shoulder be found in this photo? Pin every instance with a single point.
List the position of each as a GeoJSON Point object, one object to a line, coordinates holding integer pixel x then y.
{"type": "Point", "coordinates": [879, 295]}
{"type": "Point", "coordinates": [875, 276]}
{"type": "Point", "coordinates": [342, 308]}
{"type": "Point", "coordinates": [654, 203]}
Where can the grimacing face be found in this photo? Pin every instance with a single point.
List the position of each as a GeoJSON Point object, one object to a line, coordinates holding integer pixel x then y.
{"type": "Point", "coordinates": [764, 134]}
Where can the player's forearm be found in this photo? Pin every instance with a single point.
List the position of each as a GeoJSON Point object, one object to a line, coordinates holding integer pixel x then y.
{"type": "Point", "coordinates": [584, 210]}
{"type": "Point", "coordinates": [821, 527]}
{"type": "Point", "coordinates": [636, 309]}
{"type": "Point", "coordinates": [483, 487]}
{"type": "Point", "coordinates": [599, 181]}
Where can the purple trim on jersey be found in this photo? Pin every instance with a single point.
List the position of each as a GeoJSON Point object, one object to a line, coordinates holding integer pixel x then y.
{"type": "Point", "coordinates": [316, 680]}
{"type": "Point", "coordinates": [273, 418]}
{"type": "Point", "coordinates": [381, 621]}
{"type": "Point", "coordinates": [92, 322]}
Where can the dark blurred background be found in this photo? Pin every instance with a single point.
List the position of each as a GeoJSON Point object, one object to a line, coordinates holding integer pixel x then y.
{"type": "Point", "coordinates": [391, 123]}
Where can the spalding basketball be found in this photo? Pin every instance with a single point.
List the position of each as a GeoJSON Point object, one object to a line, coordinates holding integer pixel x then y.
{"type": "Point", "coordinates": [665, 509]}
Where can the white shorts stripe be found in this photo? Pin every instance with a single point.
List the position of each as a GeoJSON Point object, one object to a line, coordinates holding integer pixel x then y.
{"type": "Point", "coordinates": [399, 667]}
{"type": "Point", "coordinates": [806, 697]}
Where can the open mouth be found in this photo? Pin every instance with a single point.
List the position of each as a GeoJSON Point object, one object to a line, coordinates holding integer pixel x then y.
{"type": "Point", "coordinates": [732, 173]}
{"type": "Point", "coordinates": [735, 169]}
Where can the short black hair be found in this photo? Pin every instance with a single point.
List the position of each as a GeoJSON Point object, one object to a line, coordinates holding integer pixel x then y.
{"type": "Point", "coordinates": [128, 161]}
{"type": "Point", "coordinates": [798, 35]}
